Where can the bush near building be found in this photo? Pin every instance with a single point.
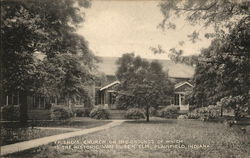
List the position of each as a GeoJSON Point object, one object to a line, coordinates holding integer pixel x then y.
{"type": "Point", "coordinates": [205, 113]}
{"type": "Point", "coordinates": [152, 111]}
{"type": "Point", "coordinates": [60, 113]}
{"type": "Point", "coordinates": [82, 112]}
{"type": "Point", "coordinates": [99, 113]}
{"type": "Point", "coordinates": [168, 112]}
{"type": "Point", "coordinates": [135, 113]}
{"type": "Point", "coordinates": [10, 113]}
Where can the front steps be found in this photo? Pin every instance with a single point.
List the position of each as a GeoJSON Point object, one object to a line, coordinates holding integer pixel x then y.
{"type": "Point", "coordinates": [117, 114]}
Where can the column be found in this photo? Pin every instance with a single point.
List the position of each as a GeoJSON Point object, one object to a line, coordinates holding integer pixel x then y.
{"type": "Point", "coordinates": [39, 101]}
{"type": "Point", "coordinates": [7, 100]}
{"type": "Point", "coordinates": [180, 99]}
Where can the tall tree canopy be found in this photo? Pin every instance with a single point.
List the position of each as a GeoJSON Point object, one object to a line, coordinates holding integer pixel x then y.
{"type": "Point", "coordinates": [143, 84]}
{"type": "Point", "coordinates": [222, 68]}
{"type": "Point", "coordinates": [46, 28]}
{"type": "Point", "coordinates": [222, 15]}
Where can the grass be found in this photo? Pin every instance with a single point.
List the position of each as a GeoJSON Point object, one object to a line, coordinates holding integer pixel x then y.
{"type": "Point", "coordinates": [11, 132]}
{"type": "Point", "coordinates": [78, 122]}
{"type": "Point", "coordinates": [153, 139]}
{"type": "Point", "coordinates": [10, 136]}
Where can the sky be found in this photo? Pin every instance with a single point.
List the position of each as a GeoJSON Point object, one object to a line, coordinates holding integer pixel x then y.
{"type": "Point", "coordinates": [113, 28]}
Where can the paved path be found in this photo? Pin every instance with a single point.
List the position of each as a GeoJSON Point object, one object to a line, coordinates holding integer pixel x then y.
{"type": "Point", "coordinates": [59, 128]}
{"type": "Point", "coordinates": [12, 148]}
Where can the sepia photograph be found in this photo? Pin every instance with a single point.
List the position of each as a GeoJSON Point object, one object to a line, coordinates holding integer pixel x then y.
{"type": "Point", "coordinates": [125, 79]}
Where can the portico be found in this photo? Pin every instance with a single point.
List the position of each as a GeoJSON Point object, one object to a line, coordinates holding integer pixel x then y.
{"type": "Point", "coordinates": [181, 91]}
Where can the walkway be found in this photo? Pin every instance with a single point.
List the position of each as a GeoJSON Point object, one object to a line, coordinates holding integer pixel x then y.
{"type": "Point", "coordinates": [59, 128]}
{"type": "Point", "coordinates": [13, 148]}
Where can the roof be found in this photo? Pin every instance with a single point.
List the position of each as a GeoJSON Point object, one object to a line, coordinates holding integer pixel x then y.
{"type": "Point", "coordinates": [181, 84]}
{"type": "Point", "coordinates": [110, 85]}
{"type": "Point", "coordinates": [175, 70]}
{"type": "Point", "coordinates": [118, 82]}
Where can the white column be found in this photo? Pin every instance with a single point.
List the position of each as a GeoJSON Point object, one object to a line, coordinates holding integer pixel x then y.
{"type": "Point", "coordinates": [180, 99]}
{"type": "Point", "coordinates": [7, 100]}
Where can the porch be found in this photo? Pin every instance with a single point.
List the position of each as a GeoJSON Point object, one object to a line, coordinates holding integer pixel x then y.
{"type": "Point", "coordinates": [106, 96]}
{"type": "Point", "coordinates": [179, 100]}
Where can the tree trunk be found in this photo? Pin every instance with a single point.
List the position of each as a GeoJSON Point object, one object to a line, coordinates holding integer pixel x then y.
{"type": "Point", "coordinates": [2, 94]}
{"type": "Point", "coordinates": [23, 108]}
{"type": "Point", "coordinates": [221, 111]}
{"type": "Point", "coordinates": [147, 113]}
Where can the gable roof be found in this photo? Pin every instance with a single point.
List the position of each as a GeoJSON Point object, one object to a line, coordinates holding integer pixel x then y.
{"type": "Point", "coordinates": [182, 84]}
{"type": "Point", "coordinates": [175, 70]}
{"type": "Point", "coordinates": [178, 85]}
{"type": "Point", "coordinates": [110, 85]}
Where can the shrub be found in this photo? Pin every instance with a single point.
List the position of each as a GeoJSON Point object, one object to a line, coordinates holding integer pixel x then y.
{"type": "Point", "coordinates": [11, 112]}
{"type": "Point", "coordinates": [238, 103]}
{"type": "Point", "coordinates": [134, 113]}
{"type": "Point", "coordinates": [99, 113]}
{"type": "Point", "coordinates": [60, 113]}
{"type": "Point", "coordinates": [193, 114]}
{"type": "Point", "coordinates": [152, 111]}
{"type": "Point", "coordinates": [82, 112]}
{"type": "Point", "coordinates": [168, 112]}
{"type": "Point", "coordinates": [205, 113]}
{"type": "Point", "coordinates": [182, 117]}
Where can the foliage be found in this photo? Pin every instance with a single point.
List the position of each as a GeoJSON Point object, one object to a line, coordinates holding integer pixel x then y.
{"type": "Point", "coordinates": [234, 103]}
{"type": "Point", "coordinates": [222, 70]}
{"type": "Point", "coordinates": [10, 112]}
{"type": "Point", "coordinates": [99, 113]}
{"type": "Point", "coordinates": [168, 112]}
{"type": "Point", "coordinates": [219, 14]}
{"type": "Point", "coordinates": [49, 33]}
{"type": "Point", "coordinates": [143, 84]}
{"type": "Point", "coordinates": [182, 117]}
{"type": "Point", "coordinates": [101, 79]}
{"type": "Point", "coordinates": [82, 112]}
{"type": "Point", "coordinates": [152, 111]}
{"type": "Point", "coordinates": [38, 61]}
{"type": "Point", "coordinates": [60, 113]}
{"type": "Point", "coordinates": [135, 113]}
{"type": "Point", "coordinates": [223, 16]}
{"type": "Point", "coordinates": [14, 135]}
{"type": "Point", "coordinates": [205, 113]}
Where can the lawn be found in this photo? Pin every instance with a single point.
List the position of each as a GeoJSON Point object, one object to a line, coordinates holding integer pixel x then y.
{"type": "Point", "coordinates": [11, 132]}
{"type": "Point", "coordinates": [158, 138]}
{"type": "Point", "coordinates": [77, 122]}
{"type": "Point", "coordinates": [10, 136]}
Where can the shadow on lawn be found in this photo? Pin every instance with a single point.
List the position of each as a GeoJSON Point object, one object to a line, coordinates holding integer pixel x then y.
{"type": "Point", "coordinates": [168, 121]}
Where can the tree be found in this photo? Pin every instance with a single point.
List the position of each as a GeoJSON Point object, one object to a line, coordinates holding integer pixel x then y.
{"type": "Point", "coordinates": [222, 15]}
{"type": "Point", "coordinates": [63, 77]}
{"type": "Point", "coordinates": [47, 27]}
{"type": "Point", "coordinates": [143, 84]}
{"type": "Point", "coordinates": [222, 70]}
